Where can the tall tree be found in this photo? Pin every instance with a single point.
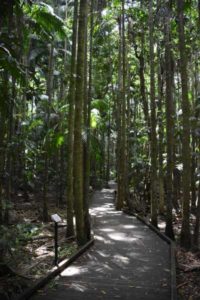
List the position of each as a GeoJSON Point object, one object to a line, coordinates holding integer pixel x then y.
{"type": "Point", "coordinates": [153, 120]}
{"type": "Point", "coordinates": [121, 197]}
{"type": "Point", "coordinates": [87, 121]}
{"type": "Point", "coordinates": [47, 140]}
{"type": "Point", "coordinates": [160, 74]}
{"type": "Point", "coordinates": [185, 230]}
{"type": "Point", "coordinates": [169, 121]}
{"type": "Point", "coordinates": [78, 129]}
{"type": "Point", "coordinates": [70, 139]}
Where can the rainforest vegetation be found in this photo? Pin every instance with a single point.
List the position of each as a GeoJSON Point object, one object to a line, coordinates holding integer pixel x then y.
{"type": "Point", "coordinates": [93, 91]}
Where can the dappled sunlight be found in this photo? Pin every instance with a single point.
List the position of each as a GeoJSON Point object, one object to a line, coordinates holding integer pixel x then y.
{"type": "Point", "coordinates": [121, 259]}
{"type": "Point", "coordinates": [128, 226]}
{"type": "Point", "coordinates": [137, 255]}
{"type": "Point", "coordinates": [107, 191]}
{"type": "Point", "coordinates": [102, 239]}
{"type": "Point", "coordinates": [103, 254]}
{"type": "Point", "coordinates": [99, 238]}
{"type": "Point", "coordinates": [108, 197]}
{"type": "Point", "coordinates": [78, 287]}
{"type": "Point", "coordinates": [104, 210]}
{"type": "Point", "coordinates": [103, 269]}
{"type": "Point", "coordinates": [74, 270]}
{"type": "Point", "coordinates": [106, 229]}
{"type": "Point", "coordinates": [120, 236]}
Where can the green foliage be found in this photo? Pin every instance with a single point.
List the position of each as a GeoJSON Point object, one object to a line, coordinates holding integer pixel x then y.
{"type": "Point", "coordinates": [46, 20]}
{"type": "Point", "coordinates": [14, 237]}
{"type": "Point", "coordinates": [101, 105]}
{"type": "Point", "coordinates": [10, 64]}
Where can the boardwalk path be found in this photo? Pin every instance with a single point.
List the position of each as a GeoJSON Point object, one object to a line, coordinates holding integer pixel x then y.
{"type": "Point", "coordinates": [128, 260]}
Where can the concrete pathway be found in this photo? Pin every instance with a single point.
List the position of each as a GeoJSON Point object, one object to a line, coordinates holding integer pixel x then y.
{"type": "Point", "coordinates": [128, 260]}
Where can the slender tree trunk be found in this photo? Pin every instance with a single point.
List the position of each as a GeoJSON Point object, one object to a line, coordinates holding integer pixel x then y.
{"type": "Point", "coordinates": [185, 230]}
{"type": "Point", "coordinates": [3, 98]}
{"type": "Point", "coordinates": [199, 9]}
{"type": "Point", "coordinates": [78, 146]}
{"type": "Point", "coordinates": [87, 119]}
{"type": "Point", "coordinates": [195, 113]}
{"type": "Point", "coordinates": [197, 223]}
{"type": "Point", "coordinates": [153, 121]}
{"type": "Point", "coordinates": [142, 83]}
{"type": "Point", "coordinates": [161, 135]}
{"type": "Point", "coordinates": [9, 155]}
{"type": "Point", "coordinates": [169, 126]}
{"type": "Point", "coordinates": [121, 197]}
{"type": "Point", "coordinates": [46, 154]}
{"type": "Point", "coordinates": [108, 146]}
{"type": "Point", "coordinates": [70, 139]}
{"type": "Point", "coordinates": [119, 114]}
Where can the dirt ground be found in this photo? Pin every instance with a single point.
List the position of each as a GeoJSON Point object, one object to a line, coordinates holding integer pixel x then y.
{"type": "Point", "coordinates": [187, 264]}
{"type": "Point", "coordinates": [30, 254]}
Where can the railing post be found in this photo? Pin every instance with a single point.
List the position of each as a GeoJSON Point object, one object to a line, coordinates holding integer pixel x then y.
{"type": "Point", "coordinates": [56, 218]}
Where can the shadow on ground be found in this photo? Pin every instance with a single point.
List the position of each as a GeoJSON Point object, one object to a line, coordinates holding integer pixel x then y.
{"type": "Point", "coordinates": [128, 261]}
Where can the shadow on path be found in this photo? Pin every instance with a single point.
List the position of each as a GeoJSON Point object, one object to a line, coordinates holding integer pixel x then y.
{"type": "Point", "coordinates": [128, 260]}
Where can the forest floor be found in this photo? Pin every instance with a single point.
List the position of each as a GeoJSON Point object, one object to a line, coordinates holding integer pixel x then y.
{"type": "Point", "coordinates": [29, 253]}
{"type": "Point", "coordinates": [188, 267]}
{"type": "Point", "coordinates": [187, 264]}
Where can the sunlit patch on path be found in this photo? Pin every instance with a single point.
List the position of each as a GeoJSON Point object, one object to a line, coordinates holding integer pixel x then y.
{"type": "Point", "coordinates": [128, 260]}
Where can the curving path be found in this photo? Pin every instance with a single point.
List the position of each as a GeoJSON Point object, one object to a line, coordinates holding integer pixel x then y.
{"type": "Point", "coordinates": [128, 260]}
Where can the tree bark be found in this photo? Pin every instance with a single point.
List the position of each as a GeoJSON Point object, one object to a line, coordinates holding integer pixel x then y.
{"type": "Point", "coordinates": [78, 146]}
{"type": "Point", "coordinates": [46, 150]}
{"type": "Point", "coordinates": [70, 138]}
{"type": "Point", "coordinates": [121, 197]}
{"type": "Point", "coordinates": [153, 121]}
{"type": "Point", "coordinates": [169, 125]}
{"type": "Point", "coordinates": [161, 135]}
{"type": "Point", "coordinates": [185, 230]}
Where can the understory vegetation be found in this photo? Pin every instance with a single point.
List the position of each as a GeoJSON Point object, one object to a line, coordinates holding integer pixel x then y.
{"type": "Point", "coordinates": [93, 91]}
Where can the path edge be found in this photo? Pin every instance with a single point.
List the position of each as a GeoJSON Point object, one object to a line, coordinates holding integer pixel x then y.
{"type": "Point", "coordinates": [172, 251]}
{"type": "Point", "coordinates": [54, 272]}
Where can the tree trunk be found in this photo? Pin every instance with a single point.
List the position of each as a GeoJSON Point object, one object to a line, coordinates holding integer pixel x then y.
{"type": "Point", "coordinates": [78, 146]}
{"type": "Point", "coordinates": [87, 119]}
{"type": "Point", "coordinates": [169, 126]}
{"type": "Point", "coordinates": [185, 230]}
{"type": "Point", "coordinates": [121, 197]}
{"type": "Point", "coordinates": [153, 120]}
{"type": "Point", "coordinates": [3, 99]}
{"type": "Point", "coordinates": [197, 223]}
{"type": "Point", "coordinates": [161, 135]}
{"type": "Point", "coordinates": [46, 150]}
{"type": "Point", "coordinates": [70, 139]}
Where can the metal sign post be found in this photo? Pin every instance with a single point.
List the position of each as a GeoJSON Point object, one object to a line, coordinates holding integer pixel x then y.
{"type": "Point", "coordinates": [56, 218]}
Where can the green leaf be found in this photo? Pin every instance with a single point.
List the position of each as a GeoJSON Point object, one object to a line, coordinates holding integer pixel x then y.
{"type": "Point", "coordinates": [43, 15]}
{"type": "Point", "coordinates": [101, 105]}
{"type": "Point", "coordinates": [10, 64]}
{"type": "Point", "coordinates": [59, 140]}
